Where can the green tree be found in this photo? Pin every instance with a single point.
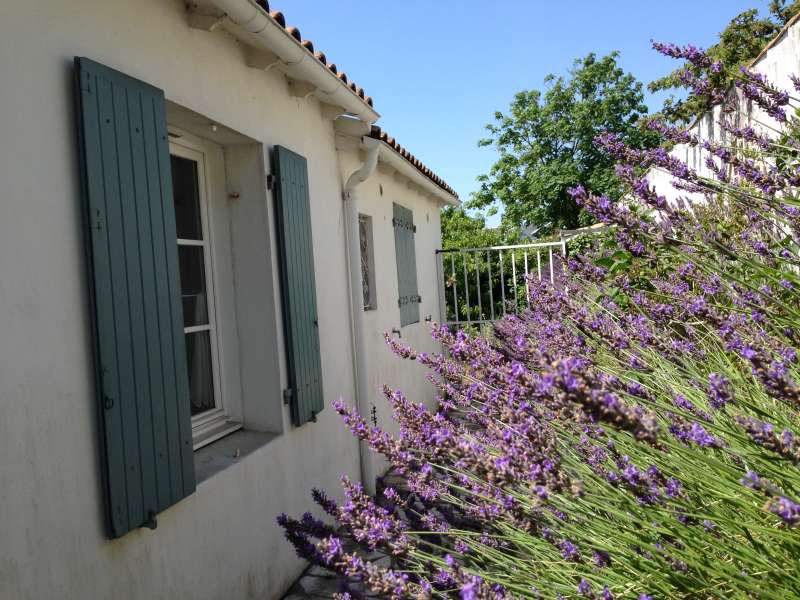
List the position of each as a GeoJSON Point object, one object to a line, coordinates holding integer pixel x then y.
{"type": "Point", "coordinates": [462, 230]}
{"type": "Point", "coordinates": [739, 43]}
{"type": "Point", "coordinates": [546, 143]}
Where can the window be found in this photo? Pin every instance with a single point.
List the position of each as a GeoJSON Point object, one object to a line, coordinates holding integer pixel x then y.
{"type": "Point", "coordinates": [367, 262]}
{"type": "Point", "coordinates": [190, 191]}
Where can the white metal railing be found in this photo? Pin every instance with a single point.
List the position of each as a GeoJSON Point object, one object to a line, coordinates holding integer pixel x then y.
{"type": "Point", "coordinates": [480, 285]}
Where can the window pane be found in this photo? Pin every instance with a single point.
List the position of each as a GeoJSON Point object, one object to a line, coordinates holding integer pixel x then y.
{"type": "Point", "coordinates": [187, 198]}
{"type": "Point", "coordinates": [193, 285]}
{"type": "Point", "coordinates": [198, 359]}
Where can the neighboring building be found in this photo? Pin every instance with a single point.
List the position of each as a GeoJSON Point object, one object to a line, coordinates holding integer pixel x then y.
{"type": "Point", "coordinates": [204, 237]}
{"type": "Point", "coordinates": [777, 61]}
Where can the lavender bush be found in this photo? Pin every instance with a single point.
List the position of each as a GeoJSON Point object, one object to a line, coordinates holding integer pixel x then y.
{"type": "Point", "coordinates": [632, 436]}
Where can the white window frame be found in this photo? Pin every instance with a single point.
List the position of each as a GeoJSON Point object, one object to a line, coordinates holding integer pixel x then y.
{"type": "Point", "coordinates": [215, 423]}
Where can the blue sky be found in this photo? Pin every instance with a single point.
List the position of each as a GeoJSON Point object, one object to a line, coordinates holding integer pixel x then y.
{"type": "Point", "coordinates": [439, 69]}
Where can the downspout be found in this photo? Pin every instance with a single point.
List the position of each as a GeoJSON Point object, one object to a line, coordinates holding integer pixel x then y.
{"type": "Point", "coordinates": [358, 339]}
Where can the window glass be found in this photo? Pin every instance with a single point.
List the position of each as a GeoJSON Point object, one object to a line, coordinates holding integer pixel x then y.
{"type": "Point", "coordinates": [188, 221]}
{"type": "Point", "coordinates": [198, 359]}
{"type": "Point", "coordinates": [193, 285]}
{"type": "Point", "coordinates": [193, 257]}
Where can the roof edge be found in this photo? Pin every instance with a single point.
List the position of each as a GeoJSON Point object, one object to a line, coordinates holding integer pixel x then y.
{"type": "Point", "coordinates": [451, 197]}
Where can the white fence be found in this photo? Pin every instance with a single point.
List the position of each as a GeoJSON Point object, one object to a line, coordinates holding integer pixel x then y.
{"type": "Point", "coordinates": [480, 285]}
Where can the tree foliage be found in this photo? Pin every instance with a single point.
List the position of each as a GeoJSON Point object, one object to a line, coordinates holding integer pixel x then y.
{"type": "Point", "coordinates": [739, 43]}
{"type": "Point", "coordinates": [462, 230]}
{"type": "Point", "coordinates": [546, 143]}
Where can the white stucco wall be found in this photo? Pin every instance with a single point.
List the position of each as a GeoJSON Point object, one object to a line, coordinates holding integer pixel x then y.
{"type": "Point", "coordinates": [780, 60]}
{"type": "Point", "coordinates": [221, 542]}
{"type": "Point", "coordinates": [384, 368]}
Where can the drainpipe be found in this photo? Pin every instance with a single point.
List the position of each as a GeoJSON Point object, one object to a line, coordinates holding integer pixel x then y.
{"type": "Point", "coordinates": [358, 339]}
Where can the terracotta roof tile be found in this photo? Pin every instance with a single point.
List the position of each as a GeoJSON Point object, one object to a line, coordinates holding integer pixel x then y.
{"type": "Point", "coordinates": [279, 18]}
{"type": "Point", "coordinates": [378, 134]}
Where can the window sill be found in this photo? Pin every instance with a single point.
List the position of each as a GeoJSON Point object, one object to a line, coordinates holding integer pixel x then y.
{"type": "Point", "coordinates": [228, 451]}
{"type": "Point", "coordinates": [210, 433]}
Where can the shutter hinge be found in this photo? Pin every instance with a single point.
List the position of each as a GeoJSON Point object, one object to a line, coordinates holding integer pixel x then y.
{"type": "Point", "coordinates": [152, 522]}
{"type": "Point", "coordinates": [287, 395]}
{"type": "Point", "coordinates": [270, 182]}
{"type": "Point", "coordinates": [414, 227]}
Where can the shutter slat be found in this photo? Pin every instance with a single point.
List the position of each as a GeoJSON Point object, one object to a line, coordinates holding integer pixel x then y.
{"type": "Point", "coordinates": [126, 397]}
{"type": "Point", "coordinates": [293, 211]}
{"type": "Point", "coordinates": [180, 412]}
{"type": "Point", "coordinates": [142, 460]}
{"type": "Point", "coordinates": [405, 258]}
{"type": "Point", "coordinates": [413, 289]}
{"type": "Point", "coordinates": [399, 255]}
{"type": "Point", "coordinates": [141, 366]}
{"type": "Point", "coordinates": [100, 263]}
{"type": "Point", "coordinates": [141, 111]}
{"type": "Point", "coordinates": [166, 416]}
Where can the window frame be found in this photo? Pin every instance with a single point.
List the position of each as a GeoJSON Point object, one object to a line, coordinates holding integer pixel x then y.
{"type": "Point", "coordinates": [215, 423]}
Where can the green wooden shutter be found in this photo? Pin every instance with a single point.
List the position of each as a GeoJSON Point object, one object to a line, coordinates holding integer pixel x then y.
{"type": "Point", "coordinates": [293, 212]}
{"type": "Point", "coordinates": [146, 437]}
{"type": "Point", "coordinates": [406, 259]}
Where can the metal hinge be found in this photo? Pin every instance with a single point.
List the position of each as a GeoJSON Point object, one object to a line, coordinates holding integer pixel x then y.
{"type": "Point", "coordinates": [287, 395]}
{"type": "Point", "coordinates": [270, 182]}
{"type": "Point", "coordinates": [152, 522]}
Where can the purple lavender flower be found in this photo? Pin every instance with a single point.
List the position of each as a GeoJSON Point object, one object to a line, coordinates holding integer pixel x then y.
{"type": "Point", "coordinates": [719, 394]}
{"type": "Point", "coordinates": [569, 551]}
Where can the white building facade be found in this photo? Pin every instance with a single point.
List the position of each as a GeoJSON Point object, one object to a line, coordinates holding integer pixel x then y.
{"type": "Point", "coordinates": [190, 274]}
{"type": "Point", "coordinates": [777, 62]}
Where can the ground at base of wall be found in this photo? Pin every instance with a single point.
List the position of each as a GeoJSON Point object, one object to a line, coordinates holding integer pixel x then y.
{"type": "Point", "coordinates": [316, 582]}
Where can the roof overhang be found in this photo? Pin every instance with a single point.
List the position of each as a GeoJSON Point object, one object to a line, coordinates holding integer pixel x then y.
{"type": "Point", "coordinates": [392, 158]}
{"type": "Point", "coordinates": [270, 44]}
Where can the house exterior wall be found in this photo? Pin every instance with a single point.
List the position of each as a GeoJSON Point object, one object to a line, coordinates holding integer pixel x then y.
{"type": "Point", "coordinates": [375, 199]}
{"type": "Point", "coordinates": [222, 541]}
{"type": "Point", "coordinates": [777, 62]}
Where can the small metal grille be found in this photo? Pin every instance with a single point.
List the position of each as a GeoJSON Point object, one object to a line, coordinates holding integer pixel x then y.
{"type": "Point", "coordinates": [367, 276]}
